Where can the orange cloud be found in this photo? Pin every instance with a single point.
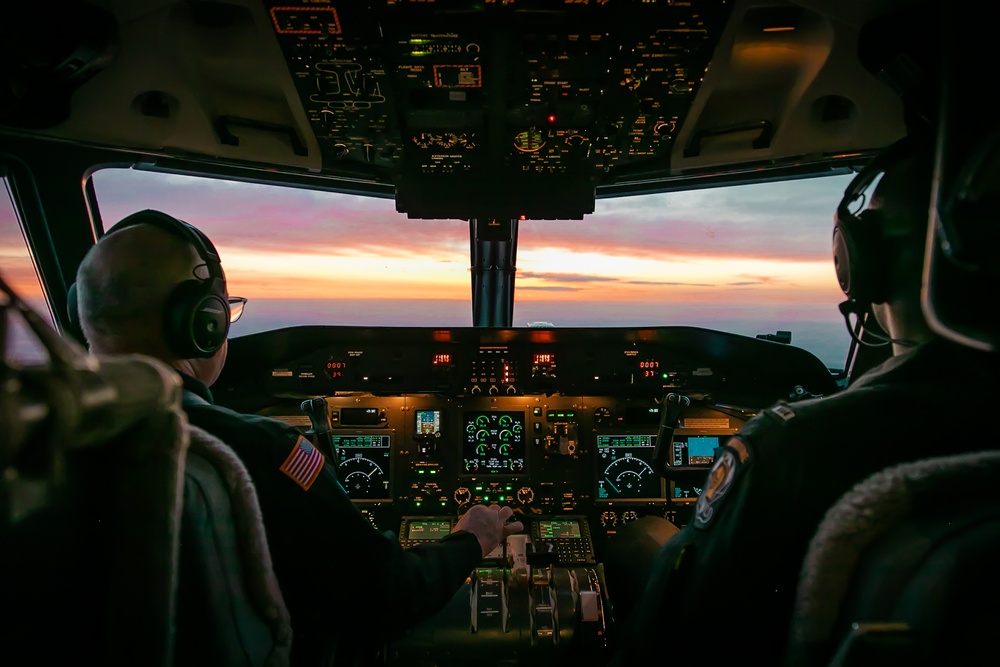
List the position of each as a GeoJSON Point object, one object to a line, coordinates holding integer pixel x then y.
{"type": "Point", "coordinates": [20, 275]}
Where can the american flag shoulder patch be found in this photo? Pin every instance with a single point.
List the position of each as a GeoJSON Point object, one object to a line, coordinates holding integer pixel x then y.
{"type": "Point", "coordinates": [303, 463]}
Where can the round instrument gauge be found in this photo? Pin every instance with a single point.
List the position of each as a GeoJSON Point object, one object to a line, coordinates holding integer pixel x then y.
{"type": "Point", "coordinates": [627, 476]}
{"type": "Point", "coordinates": [530, 141]}
{"type": "Point", "coordinates": [424, 140]}
{"type": "Point", "coordinates": [361, 476]}
{"type": "Point", "coordinates": [602, 416]}
{"type": "Point", "coordinates": [448, 140]}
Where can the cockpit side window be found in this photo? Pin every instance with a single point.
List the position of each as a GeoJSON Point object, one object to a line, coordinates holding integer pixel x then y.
{"type": "Point", "coordinates": [19, 271]}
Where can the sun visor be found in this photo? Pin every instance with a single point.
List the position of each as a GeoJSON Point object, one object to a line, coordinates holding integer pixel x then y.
{"type": "Point", "coordinates": [961, 274]}
{"type": "Point", "coordinates": [39, 70]}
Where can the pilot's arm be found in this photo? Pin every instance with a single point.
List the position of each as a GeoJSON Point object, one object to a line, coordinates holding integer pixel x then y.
{"type": "Point", "coordinates": [733, 572]}
{"type": "Point", "coordinates": [388, 587]}
{"type": "Point", "coordinates": [727, 580]}
{"type": "Point", "coordinates": [339, 575]}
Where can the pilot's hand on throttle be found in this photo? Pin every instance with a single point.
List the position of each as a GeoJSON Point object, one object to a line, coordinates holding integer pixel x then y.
{"type": "Point", "coordinates": [489, 524]}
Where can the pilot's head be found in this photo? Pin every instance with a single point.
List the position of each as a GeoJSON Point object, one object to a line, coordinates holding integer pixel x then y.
{"type": "Point", "coordinates": [154, 285]}
{"type": "Point", "coordinates": [879, 253]}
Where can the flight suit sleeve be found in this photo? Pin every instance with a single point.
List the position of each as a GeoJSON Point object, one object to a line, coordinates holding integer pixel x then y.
{"type": "Point", "coordinates": [730, 573]}
{"type": "Point", "coordinates": [333, 565]}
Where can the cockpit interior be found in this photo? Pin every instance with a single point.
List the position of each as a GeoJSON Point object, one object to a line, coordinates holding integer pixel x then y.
{"type": "Point", "coordinates": [489, 119]}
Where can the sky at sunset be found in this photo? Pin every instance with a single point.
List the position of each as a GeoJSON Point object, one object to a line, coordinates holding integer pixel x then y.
{"type": "Point", "coordinates": [747, 259]}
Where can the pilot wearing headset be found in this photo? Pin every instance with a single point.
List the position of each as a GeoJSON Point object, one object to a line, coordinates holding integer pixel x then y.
{"type": "Point", "coordinates": [154, 285]}
{"type": "Point", "coordinates": [729, 577]}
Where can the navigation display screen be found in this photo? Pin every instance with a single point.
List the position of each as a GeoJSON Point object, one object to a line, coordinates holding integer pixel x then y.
{"type": "Point", "coordinates": [686, 491]}
{"type": "Point", "coordinates": [623, 467]}
{"type": "Point", "coordinates": [695, 450]}
{"type": "Point", "coordinates": [363, 465]}
{"type": "Point", "coordinates": [494, 443]}
{"type": "Point", "coordinates": [636, 415]}
{"type": "Point", "coordinates": [359, 417]}
{"type": "Point", "coordinates": [559, 528]}
{"type": "Point", "coordinates": [428, 422]}
{"type": "Point", "coordinates": [427, 530]}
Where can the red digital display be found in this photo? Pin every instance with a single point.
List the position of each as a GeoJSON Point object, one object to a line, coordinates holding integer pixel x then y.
{"type": "Point", "coordinates": [543, 359]}
{"type": "Point", "coordinates": [441, 360]}
{"type": "Point", "coordinates": [335, 369]}
{"type": "Point", "coordinates": [649, 367]}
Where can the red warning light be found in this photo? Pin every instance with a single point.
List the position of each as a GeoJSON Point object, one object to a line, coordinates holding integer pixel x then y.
{"type": "Point", "coordinates": [522, 217]}
{"type": "Point", "coordinates": [552, 118]}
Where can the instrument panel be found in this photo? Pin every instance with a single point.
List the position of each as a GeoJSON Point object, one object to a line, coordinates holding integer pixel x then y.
{"type": "Point", "coordinates": [517, 107]}
{"type": "Point", "coordinates": [542, 455]}
{"type": "Point", "coordinates": [424, 421]}
{"type": "Point", "coordinates": [571, 428]}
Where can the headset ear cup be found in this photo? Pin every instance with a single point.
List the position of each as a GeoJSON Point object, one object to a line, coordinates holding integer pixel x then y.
{"type": "Point", "coordinates": [211, 324]}
{"type": "Point", "coordinates": [72, 308]}
{"type": "Point", "coordinates": [74, 326]}
{"type": "Point", "coordinates": [196, 320]}
{"type": "Point", "coordinates": [842, 255]}
{"type": "Point", "coordinates": [856, 257]}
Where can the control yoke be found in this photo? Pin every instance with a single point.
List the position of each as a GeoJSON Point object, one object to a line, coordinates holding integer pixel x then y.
{"type": "Point", "coordinates": [319, 416]}
{"type": "Point", "coordinates": [671, 409]}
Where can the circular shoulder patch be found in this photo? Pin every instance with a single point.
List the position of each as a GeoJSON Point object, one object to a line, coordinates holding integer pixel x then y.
{"type": "Point", "coordinates": [720, 480]}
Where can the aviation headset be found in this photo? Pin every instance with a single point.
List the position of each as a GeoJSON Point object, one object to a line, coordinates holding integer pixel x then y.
{"type": "Point", "coordinates": [858, 248]}
{"type": "Point", "coordinates": [196, 317]}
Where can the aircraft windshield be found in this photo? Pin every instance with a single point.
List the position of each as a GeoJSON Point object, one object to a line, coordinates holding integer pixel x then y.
{"type": "Point", "coordinates": [752, 259]}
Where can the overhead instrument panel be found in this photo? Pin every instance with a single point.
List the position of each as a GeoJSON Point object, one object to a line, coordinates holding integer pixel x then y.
{"type": "Point", "coordinates": [519, 107]}
{"type": "Point", "coordinates": [334, 55]}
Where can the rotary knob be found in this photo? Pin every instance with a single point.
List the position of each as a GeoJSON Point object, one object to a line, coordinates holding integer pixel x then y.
{"type": "Point", "coordinates": [602, 416]}
{"type": "Point", "coordinates": [462, 495]}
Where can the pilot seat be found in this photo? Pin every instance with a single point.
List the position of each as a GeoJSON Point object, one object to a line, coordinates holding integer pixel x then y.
{"type": "Point", "coordinates": [127, 536]}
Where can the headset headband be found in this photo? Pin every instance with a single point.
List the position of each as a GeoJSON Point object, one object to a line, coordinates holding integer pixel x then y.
{"type": "Point", "coordinates": [870, 172]}
{"type": "Point", "coordinates": [190, 233]}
